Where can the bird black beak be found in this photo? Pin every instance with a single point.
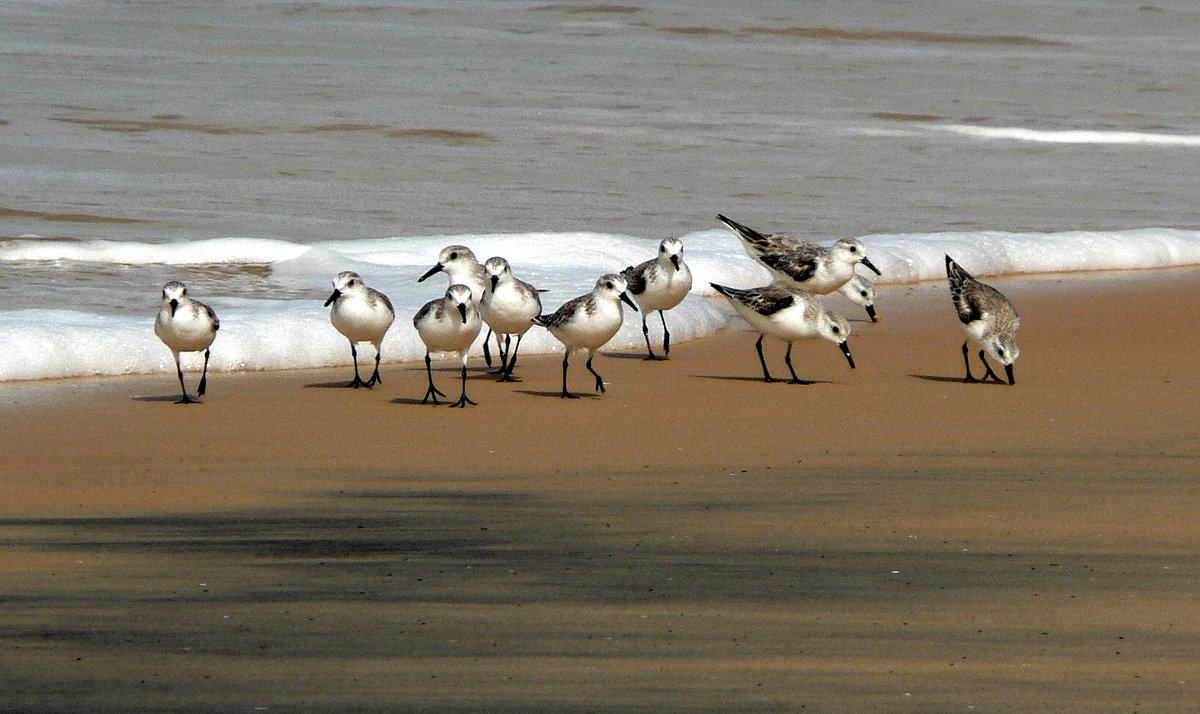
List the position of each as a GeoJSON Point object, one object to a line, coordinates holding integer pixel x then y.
{"type": "Point", "coordinates": [629, 301]}
{"type": "Point", "coordinates": [871, 313]}
{"type": "Point", "coordinates": [336, 294]}
{"type": "Point", "coordinates": [432, 271]}
{"type": "Point", "coordinates": [495, 282]}
{"type": "Point", "coordinates": [870, 265]}
{"type": "Point", "coordinates": [1008, 371]}
{"type": "Point", "coordinates": [846, 351]}
{"type": "Point", "coordinates": [462, 309]}
{"type": "Point", "coordinates": [675, 261]}
{"type": "Point", "coordinates": [174, 306]}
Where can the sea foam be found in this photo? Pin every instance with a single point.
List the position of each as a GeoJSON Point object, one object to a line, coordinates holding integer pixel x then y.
{"type": "Point", "coordinates": [283, 325]}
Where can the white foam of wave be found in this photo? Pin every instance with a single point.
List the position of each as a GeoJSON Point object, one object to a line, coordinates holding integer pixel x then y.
{"type": "Point", "coordinates": [1072, 136]}
{"type": "Point", "coordinates": [260, 333]}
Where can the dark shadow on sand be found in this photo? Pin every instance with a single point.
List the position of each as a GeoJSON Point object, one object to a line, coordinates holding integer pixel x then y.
{"type": "Point", "coordinates": [953, 380]}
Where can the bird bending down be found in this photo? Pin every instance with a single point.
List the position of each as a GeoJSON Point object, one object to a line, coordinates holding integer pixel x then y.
{"type": "Point", "coordinates": [988, 319]}
{"type": "Point", "coordinates": [508, 307]}
{"type": "Point", "coordinates": [186, 325]}
{"type": "Point", "coordinates": [861, 292]}
{"type": "Point", "coordinates": [789, 314]}
{"type": "Point", "coordinates": [448, 324]}
{"type": "Point", "coordinates": [660, 284]}
{"type": "Point", "coordinates": [588, 322]}
{"type": "Point", "coordinates": [461, 266]}
{"type": "Point", "coordinates": [361, 314]}
{"type": "Point", "coordinates": [807, 266]}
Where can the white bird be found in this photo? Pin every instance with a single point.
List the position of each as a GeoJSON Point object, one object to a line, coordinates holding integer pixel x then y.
{"type": "Point", "coordinates": [807, 266]}
{"type": "Point", "coordinates": [988, 319]}
{"type": "Point", "coordinates": [186, 325]}
{"type": "Point", "coordinates": [508, 307]}
{"type": "Point", "coordinates": [448, 324]}
{"type": "Point", "coordinates": [861, 292]}
{"type": "Point", "coordinates": [789, 314]}
{"type": "Point", "coordinates": [461, 266]}
{"type": "Point", "coordinates": [588, 322]}
{"type": "Point", "coordinates": [660, 284]}
{"type": "Point", "coordinates": [362, 314]}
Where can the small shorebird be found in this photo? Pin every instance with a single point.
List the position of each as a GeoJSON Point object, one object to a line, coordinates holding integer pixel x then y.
{"type": "Point", "coordinates": [361, 314]}
{"type": "Point", "coordinates": [448, 324]}
{"type": "Point", "coordinates": [808, 266]}
{"type": "Point", "coordinates": [461, 266]}
{"type": "Point", "coordinates": [861, 292]}
{"type": "Point", "coordinates": [787, 313]}
{"type": "Point", "coordinates": [988, 319]}
{"type": "Point", "coordinates": [587, 322]}
{"type": "Point", "coordinates": [660, 284]}
{"type": "Point", "coordinates": [186, 325]}
{"type": "Point", "coordinates": [508, 307]}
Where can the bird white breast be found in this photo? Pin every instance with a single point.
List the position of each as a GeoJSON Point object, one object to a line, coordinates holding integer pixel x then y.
{"type": "Point", "coordinates": [590, 330]}
{"type": "Point", "coordinates": [449, 333]}
{"type": "Point", "coordinates": [667, 290]}
{"type": "Point", "coordinates": [188, 330]}
{"type": "Point", "coordinates": [509, 310]}
{"type": "Point", "coordinates": [359, 320]}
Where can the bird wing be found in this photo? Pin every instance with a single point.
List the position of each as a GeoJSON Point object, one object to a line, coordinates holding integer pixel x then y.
{"type": "Point", "coordinates": [765, 300]}
{"type": "Point", "coordinates": [799, 265]}
{"type": "Point", "coordinates": [636, 276]}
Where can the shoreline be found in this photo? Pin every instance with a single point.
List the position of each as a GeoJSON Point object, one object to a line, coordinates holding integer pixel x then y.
{"type": "Point", "coordinates": [885, 539]}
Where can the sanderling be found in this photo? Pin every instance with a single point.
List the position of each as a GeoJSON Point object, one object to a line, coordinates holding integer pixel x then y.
{"type": "Point", "coordinates": [589, 321]}
{"type": "Point", "coordinates": [782, 311]}
{"type": "Point", "coordinates": [988, 318]}
{"type": "Point", "coordinates": [861, 292]}
{"type": "Point", "coordinates": [362, 314]}
{"type": "Point", "coordinates": [463, 268]}
{"type": "Point", "coordinates": [660, 284]}
{"type": "Point", "coordinates": [810, 267]}
{"type": "Point", "coordinates": [508, 307]}
{"type": "Point", "coordinates": [448, 324]}
{"type": "Point", "coordinates": [186, 325]}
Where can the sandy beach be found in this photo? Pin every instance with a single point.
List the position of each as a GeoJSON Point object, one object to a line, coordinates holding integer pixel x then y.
{"type": "Point", "coordinates": [887, 539]}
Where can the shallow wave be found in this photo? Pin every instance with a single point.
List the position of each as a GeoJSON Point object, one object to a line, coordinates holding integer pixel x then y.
{"type": "Point", "coordinates": [1073, 136]}
{"type": "Point", "coordinates": [284, 325]}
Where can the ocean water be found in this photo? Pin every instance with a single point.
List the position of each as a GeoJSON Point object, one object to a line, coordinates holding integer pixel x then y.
{"type": "Point", "coordinates": [254, 149]}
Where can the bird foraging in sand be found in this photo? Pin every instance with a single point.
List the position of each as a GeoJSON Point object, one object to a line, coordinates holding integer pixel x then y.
{"type": "Point", "coordinates": [988, 319]}
{"type": "Point", "coordinates": [788, 314]}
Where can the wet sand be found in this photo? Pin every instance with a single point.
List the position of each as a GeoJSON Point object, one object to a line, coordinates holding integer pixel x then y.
{"type": "Point", "coordinates": [887, 539]}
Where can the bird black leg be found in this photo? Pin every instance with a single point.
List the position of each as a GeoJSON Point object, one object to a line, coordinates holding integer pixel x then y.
{"type": "Point", "coordinates": [464, 400]}
{"type": "Point", "coordinates": [512, 359]}
{"type": "Point", "coordinates": [487, 352]}
{"type": "Point", "coordinates": [358, 382]}
{"type": "Point", "coordinates": [502, 350]}
{"type": "Point", "coordinates": [763, 360]}
{"type": "Point", "coordinates": [666, 336]}
{"type": "Point", "coordinates": [204, 376]}
{"type": "Point", "coordinates": [995, 377]}
{"type": "Point", "coordinates": [646, 333]}
{"type": "Point", "coordinates": [375, 378]}
{"type": "Point", "coordinates": [599, 379]}
{"type": "Point", "coordinates": [565, 394]}
{"type": "Point", "coordinates": [432, 392]}
{"type": "Point", "coordinates": [182, 388]}
{"type": "Point", "coordinates": [787, 358]}
{"type": "Point", "coordinates": [967, 361]}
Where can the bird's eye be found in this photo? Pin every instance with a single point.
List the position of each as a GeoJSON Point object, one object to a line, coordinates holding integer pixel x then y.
{"type": "Point", "coordinates": [853, 249]}
{"type": "Point", "coordinates": [837, 331]}
{"type": "Point", "coordinates": [610, 285]}
{"type": "Point", "coordinates": [863, 293]}
{"type": "Point", "coordinates": [1000, 352]}
{"type": "Point", "coordinates": [454, 256]}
